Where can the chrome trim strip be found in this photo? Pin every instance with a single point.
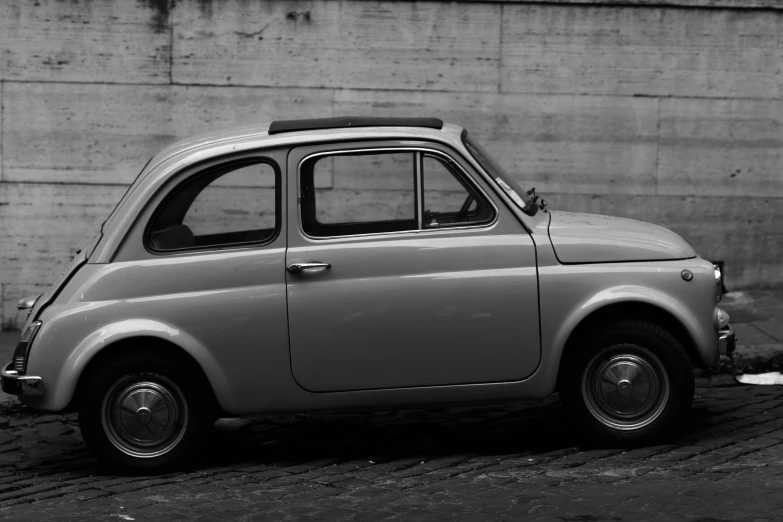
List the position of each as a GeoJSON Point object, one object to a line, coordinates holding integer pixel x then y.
{"type": "Point", "coordinates": [418, 169]}
{"type": "Point", "coordinates": [462, 170]}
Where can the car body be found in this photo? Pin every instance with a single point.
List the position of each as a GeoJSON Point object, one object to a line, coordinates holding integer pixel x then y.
{"type": "Point", "coordinates": [480, 301]}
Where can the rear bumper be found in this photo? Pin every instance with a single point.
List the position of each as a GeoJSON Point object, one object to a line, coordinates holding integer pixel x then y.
{"type": "Point", "coordinates": [727, 340]}
{"type": "Point", "coordinates": [15, 384]}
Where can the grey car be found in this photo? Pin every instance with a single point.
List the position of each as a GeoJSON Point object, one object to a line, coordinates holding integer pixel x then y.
{"type": "Point", "coordinates": [359, 263]}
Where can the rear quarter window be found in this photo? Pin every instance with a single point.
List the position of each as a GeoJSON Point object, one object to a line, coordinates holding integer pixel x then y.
{"type": "Point", "coordinates": [232, 204]}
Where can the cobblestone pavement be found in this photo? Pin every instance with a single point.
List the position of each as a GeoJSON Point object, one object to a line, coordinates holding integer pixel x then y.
{"type": "Point", "coordinates": [509, 462]}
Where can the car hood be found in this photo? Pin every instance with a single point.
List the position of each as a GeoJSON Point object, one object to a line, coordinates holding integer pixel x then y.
{"type": "Point", "coordinates": [591, 238]}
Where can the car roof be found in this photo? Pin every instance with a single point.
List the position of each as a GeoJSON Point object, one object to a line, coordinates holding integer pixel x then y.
{"type": "Point", "coordinates": [315, 130]}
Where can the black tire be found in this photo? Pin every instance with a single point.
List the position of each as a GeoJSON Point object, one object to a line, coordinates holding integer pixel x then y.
{"type": "Point", "coordinates": [174, 412]}
{"type": "Point", "coordinates": [629, 383]}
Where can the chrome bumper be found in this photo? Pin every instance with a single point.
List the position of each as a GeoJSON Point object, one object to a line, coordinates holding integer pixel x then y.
{"type": "Point", "coordinates": [15, 384]}
{"type": "Point", "coordinates": [727, 340]}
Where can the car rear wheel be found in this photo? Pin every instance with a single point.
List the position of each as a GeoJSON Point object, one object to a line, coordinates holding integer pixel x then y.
{"type": "Point", "coordinates": [630, 383]}
{"type": "Point", "coordinates": [145, 413]}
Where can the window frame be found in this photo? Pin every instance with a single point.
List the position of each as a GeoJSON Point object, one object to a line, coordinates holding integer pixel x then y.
{"type": "Point", "coordinates": [415, 220]}
{"type": "Point", "coordinates": [419, 152]}
{"type": "Point", "coordinates": [207, 171]}
{"type": "Point", "coordinates": [461, 178]}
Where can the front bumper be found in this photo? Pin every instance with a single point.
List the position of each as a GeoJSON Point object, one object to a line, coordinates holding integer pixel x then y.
{"type": "Point", "coordinates": [727, 340]}
{"type": "Point", "coordinates": [15, 384]}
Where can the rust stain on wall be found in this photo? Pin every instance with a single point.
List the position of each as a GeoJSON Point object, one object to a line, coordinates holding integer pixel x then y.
{"type": "Point", "coordinates": [161, 11]}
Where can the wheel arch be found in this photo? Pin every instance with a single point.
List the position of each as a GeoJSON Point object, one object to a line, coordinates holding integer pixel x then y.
{"type": "Point", "coordinates": [125, 337]}
{"type": "Point", "coordinates": [631, 309]}
{"type": "Point", "coordinates": [127, 346]}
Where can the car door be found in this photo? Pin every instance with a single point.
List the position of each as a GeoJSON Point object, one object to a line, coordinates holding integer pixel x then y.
{"type": "Point", "coordinates": [404, 271]}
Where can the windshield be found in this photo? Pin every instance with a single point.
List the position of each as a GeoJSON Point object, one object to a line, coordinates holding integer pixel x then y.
{"type": "Point", "coordinates": [499, 174]}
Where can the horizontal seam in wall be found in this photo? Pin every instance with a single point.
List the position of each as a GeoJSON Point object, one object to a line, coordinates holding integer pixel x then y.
{"type": "Point", "coordinates": [544, 194]}
{"type": "Point", "coordinates": [60, 183]}
{"type": "Point", "coordinates": [770, 5]}
{"type": "Point", "coordinates": [365, 89]}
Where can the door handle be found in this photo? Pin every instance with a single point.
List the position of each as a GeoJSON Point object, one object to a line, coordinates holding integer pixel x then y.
{"type": "Point", "coordinates": [295, 268]}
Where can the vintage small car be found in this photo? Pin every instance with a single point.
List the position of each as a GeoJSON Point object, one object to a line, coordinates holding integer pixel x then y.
{"type": "Point", "coordinates": [369, 263]}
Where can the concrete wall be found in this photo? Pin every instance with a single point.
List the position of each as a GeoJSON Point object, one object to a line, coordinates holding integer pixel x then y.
{"type": "Point", "coordinates": [671, 114]}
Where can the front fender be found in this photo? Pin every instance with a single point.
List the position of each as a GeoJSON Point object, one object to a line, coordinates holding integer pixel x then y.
{"type": "Point", "coordinates": [571, 294]}
{"type": "Point", "coordinates": [630, 294]}
{"type": "Point", "coordinates": [61, 377]}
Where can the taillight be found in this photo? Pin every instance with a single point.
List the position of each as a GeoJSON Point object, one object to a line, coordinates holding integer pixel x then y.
{"type": "Point", "coordinates": [23, 346]}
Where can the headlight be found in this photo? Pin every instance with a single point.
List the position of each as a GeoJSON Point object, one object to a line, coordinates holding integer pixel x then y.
{"type": "Point", "coordinates": [23, 346]}
{"type": "Point", "coordinates": [721, 318]}
{"type": "Point", "coordinates": [718, 287]}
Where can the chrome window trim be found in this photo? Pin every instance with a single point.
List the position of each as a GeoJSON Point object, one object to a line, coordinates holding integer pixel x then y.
{"type": "Point", "coordinates": [421, 151]}
{"type": "Point", "coordinates": [418, 168]}
{"type": "Point", "coordinates": [189, 173]}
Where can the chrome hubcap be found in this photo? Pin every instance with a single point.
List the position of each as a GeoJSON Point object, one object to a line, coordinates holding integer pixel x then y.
{"type": "Point", "coordinates": [144, 416]}
{"type": "Point", "coordinates": [625, 387]}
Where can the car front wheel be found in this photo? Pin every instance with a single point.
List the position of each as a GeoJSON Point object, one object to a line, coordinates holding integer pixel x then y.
{"type": "Point", "coordinates": [630, 383]}
{"type": "Point", "coordinates": [145, 414]}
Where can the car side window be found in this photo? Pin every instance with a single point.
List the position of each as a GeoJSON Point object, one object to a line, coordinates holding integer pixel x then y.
{"type": "Point", "coordinates": [369, 193]}
{"type": "Point", "coordinates": [231, 204]}
{"type": "Point", "coordinates": [448, 199]}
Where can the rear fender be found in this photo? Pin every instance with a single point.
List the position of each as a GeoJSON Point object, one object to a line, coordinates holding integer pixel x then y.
{"type": "Point", "coordinates": [110, 334]}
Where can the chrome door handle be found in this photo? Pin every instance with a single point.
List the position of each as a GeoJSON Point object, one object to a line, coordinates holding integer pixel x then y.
{"type": "Point", "coordinates": [298, 267]}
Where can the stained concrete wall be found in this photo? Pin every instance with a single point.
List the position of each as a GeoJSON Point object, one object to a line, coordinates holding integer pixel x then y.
{"type": "Point", "coordinates": [667, 111]}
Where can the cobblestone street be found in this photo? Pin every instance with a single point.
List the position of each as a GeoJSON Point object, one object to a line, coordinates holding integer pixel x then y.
{"type": "Point", "coordinates": [470, 463]}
